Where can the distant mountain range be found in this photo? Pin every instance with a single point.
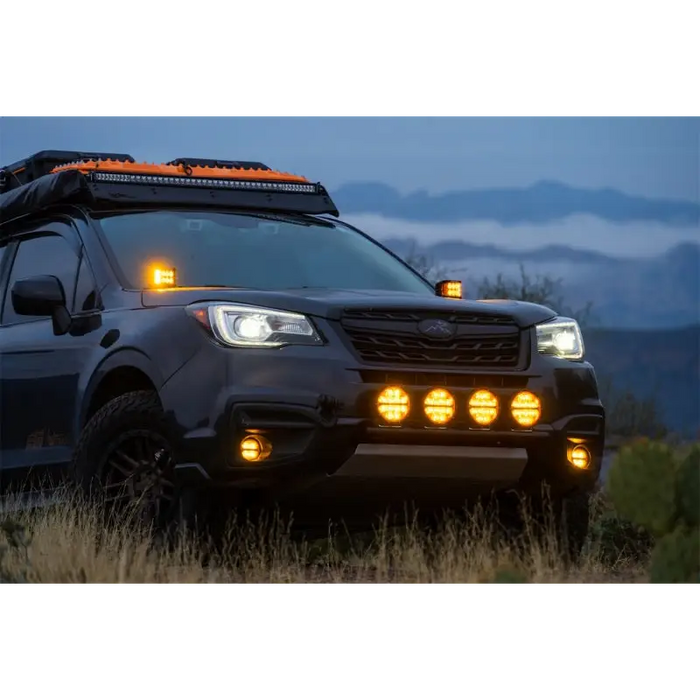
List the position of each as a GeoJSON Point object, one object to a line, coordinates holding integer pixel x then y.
{"type": "Point", "coordinates": [658, 292]}
{"type": "Point", "coordinates": [463, 250]}
{"type": "Point", "coordinates": [543, 202]}
{"type": "Point", "coordinates": [635, 259]}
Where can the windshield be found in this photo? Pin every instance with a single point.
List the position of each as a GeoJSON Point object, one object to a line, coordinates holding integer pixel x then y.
{"type": "Point", "coordinates": [256, 251]}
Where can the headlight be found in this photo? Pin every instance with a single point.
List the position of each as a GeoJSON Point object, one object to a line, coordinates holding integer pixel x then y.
{"type": "Point", "coordinates": [256, 327]}
{"type": "Point", "coordinates": [561, 337]}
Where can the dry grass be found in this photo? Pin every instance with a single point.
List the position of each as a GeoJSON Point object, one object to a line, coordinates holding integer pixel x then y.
{"type": "Point", "coordinates": [69, 543]}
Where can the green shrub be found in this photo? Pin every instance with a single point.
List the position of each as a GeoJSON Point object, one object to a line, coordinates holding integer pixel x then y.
{"type": "Point", "coordinates": [642, 485]}
{"type": "Point", "coordinates": [651, 485]}
{"type": "Point", "coordinates": [676, 557]}
{"type": "Point", "coordinates": [617, 540]}
{"type": "Point", "coordinates": [16, 540]}
{"type": "Point", "coordinates": [689, 487]}
{"type": "Point", "coordinates": [509, 576]}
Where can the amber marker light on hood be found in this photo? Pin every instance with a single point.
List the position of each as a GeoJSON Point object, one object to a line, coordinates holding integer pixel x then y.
{"type": "Point", "coordinates": [452, 289]}
{"type": "Point", "coordinates": [160, 276]}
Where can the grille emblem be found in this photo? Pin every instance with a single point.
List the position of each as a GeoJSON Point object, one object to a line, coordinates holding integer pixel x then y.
{"type": "Point", "coordinates": [437, 328]}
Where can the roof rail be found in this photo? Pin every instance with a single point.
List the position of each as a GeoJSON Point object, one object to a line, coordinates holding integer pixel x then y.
{"type": "Point", "coordinates": [43, 162]}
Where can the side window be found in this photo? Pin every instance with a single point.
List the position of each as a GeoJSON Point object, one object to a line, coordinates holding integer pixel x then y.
{"type": "Point", "coordinates": [42, 255]}
{"type": "Point", "coordinates": [85, 289]}
{"type": "Point", "coordinates": [3, 250]}
{"type": "Point", "coordinates": [4, 245]}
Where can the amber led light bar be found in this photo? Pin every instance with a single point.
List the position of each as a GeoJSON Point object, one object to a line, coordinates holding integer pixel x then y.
{"type": "Point", "coordinates": [190, 176]}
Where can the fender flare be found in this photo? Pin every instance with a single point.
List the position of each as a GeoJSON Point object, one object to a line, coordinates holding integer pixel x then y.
{"type": "Point", "coordinates": [121, 358]}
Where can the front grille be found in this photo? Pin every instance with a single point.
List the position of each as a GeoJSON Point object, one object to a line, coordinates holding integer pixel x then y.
{"type": "Point", "coordinates": [416, 316]}
{"type": "Point", "coordinates": [393, 337]}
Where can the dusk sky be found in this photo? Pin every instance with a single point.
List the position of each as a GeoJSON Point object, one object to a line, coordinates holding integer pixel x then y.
{"type": "Point", "coordinates": [653, 157]}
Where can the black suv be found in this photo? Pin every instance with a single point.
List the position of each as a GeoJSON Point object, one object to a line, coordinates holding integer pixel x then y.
{"type": "Point", "coordinates": [213, 324]}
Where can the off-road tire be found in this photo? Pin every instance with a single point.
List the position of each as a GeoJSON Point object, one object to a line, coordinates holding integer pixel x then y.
{"type": "Point", "coordinates": [558, 503]}
{"type": "Point", "coordinates": [136, 410]}
{"type": "Point", "coordinates": [564, 518]}
{"type": "Point", "coordinates": [573, 518]}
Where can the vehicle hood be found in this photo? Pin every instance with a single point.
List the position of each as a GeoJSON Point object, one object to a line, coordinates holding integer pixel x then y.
{"type": "Point", "coordinates": [330, 303]}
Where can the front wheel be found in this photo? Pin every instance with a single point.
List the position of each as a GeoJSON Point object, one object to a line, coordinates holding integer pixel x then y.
{"type": "Point", "coordinates": [572, 522]}
{"type": "Point", "coordinates": [562, 520]}
{"type": "Point", "coordinates": [566, 518]}
{"type": "Point", "coordinates": [125, 457]}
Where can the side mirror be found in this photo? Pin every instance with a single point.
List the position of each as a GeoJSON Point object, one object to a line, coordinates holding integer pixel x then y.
{"type": "Point", "coordinates": [42, 296]}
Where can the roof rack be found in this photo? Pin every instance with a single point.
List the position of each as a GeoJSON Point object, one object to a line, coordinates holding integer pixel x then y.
{"type": "Point", "coordinates": [43, 162]}
{"type": "Point", "coordinates": [189, 175]}
{"type": "Point", "coordinates": [116, 180]}
{"type": "Point", "coordinates": [208, 163]}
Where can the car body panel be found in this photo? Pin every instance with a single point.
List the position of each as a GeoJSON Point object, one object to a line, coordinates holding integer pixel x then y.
{"type": "Point", "coordinates": [329, 303]}
{"type": "Point", "coordinates": [317, 403]}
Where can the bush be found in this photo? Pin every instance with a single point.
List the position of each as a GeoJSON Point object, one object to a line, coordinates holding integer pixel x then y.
{"type": "Point", "coordinates": [425, 265]}
{"type": "Point", "coordinates": [658, 488]}
{"type": "Point", "coordinates": [616, 541]}
{"type": "Point", "coordinates": [628, 416]}
{"type": "Point", "coordinates": [509, 576]}
{"type": "Point", "coordinates": [16, 541]}
{"type": "Point", "coordinates": [539, 289]}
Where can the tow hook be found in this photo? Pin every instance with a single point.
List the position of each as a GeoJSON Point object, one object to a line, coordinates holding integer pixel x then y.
{"type": "Point", "coordinates": [328, 407]}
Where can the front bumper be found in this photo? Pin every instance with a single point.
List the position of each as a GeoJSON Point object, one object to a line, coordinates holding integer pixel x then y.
{"type": "Point", "coordinates": [316, 407]}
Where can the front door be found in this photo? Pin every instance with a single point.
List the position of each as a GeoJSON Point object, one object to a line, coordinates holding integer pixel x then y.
{"type": "Point", "coordinates": [39, 371]}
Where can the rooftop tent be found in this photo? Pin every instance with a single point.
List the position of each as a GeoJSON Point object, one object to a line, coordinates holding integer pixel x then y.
{"type": "Point", "coordinates": [42, 163]}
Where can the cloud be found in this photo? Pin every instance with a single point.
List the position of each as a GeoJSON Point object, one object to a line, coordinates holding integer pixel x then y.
{"type": "Point", "coordinates": [638, 240]}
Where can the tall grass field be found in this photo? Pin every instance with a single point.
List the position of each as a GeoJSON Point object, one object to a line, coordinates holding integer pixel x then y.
{"type": "Point", "coordinates": [644, 527]}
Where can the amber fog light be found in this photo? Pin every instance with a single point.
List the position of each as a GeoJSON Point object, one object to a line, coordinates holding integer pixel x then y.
{"type": "Point", "coordinates": [393, 404]}
{"type": "Point", "coordinates": [526, 409]}
{"type": "Point", "coordinates": [255, 448]}
{"type": "Point", "coordinates": [439, 406]}
{"type": "Point", "coordinates": [580, 457]}
{"type": "Point", "coordinates": [483, 407]}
